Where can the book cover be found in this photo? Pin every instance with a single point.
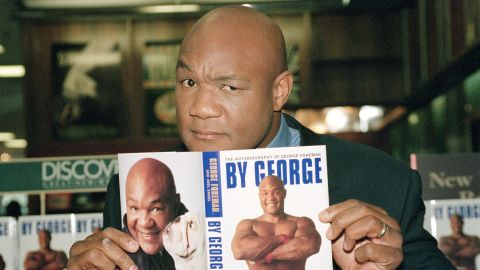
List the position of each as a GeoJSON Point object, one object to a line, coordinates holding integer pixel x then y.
{"type": "Point", "coordinates": [455, 223]}
{"type": "Point", "coordinates": [450, 189]}
{"type": "Point", "coordinates": [238, 209]}
{"type": "Point", "coordinates": [56, 233]}
{"type": "Point", "coordinates": [9, 243]}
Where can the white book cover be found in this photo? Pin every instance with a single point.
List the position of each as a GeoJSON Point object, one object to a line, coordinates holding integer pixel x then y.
{"type": "Point", "coordinates": [64, 230]}
{"type": "Point", "coordinates": [9, 243]}
{"type": "Point", "coordinates": [455, 223]}
{"type": "Point", "coordinates": [247, 209]}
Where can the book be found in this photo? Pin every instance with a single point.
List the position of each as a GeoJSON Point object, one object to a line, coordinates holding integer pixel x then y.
{"type": "Point", "coordinates": [451, 186]}
{"type": "Point", "coordinates": [455, 223]}
{"type": "Point", "coordinates": [9, 243]}
{"type": "Point", "coordinates": [242, 207]}
{"type": "Point", "coordinates": [64, 230]}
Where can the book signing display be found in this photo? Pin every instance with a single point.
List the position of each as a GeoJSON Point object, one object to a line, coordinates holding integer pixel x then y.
{"type": "Point", "coordinates": [24, 241]}
{"type": "Point", "coordinates": [451, 191]}
{"type": "Point", "coordinates": [207, 205]}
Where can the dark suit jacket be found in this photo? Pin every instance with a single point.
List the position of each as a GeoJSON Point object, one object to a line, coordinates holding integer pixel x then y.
{"type": "Point", "coordinates": [357, 172]}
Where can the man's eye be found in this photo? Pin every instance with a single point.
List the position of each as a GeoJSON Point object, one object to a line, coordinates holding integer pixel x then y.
{"type": "Point", "coordinates": [188, 83]}
{"type": "Point", "coordinates": [158, 209]}
{"type": "Point", "coordinates": [229, 88]}
{"type": "Point", "coordinates": [133, 208]}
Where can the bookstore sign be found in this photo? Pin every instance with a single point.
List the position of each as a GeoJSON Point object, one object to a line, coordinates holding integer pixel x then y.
{"type": "Point", "coordinates": [449, 176]}
{"type": "Point", "coordinates": [57, 174]}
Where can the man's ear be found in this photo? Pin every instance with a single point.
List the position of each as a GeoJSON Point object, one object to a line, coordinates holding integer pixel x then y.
{"type": "Point", "coordinates": [281, 89]}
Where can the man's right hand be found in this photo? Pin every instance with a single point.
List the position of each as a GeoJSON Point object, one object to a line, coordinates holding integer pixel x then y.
{"type": "Point", "coordinates": [106, 249]}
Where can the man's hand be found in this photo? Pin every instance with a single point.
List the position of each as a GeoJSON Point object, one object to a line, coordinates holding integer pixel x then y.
{"type": "Point", "coordinates": [105, 249]}
{"type": "Point", "coordinates": [356, 230]}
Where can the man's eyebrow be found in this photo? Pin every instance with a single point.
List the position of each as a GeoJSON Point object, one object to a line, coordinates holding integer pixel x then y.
{"type": "Point", "coordinates": [224, 78]}
{"type": "Point", "coordinates": [181, 64]}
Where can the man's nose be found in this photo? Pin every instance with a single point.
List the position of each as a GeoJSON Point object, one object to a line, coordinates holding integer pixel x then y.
{"type": "Point", "coordinates": [206, 103]}
{"type": "Point", "coordinates": [145, 220]}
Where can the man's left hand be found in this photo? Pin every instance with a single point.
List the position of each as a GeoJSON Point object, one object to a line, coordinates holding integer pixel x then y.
{"type": "Point", "coordinates": [363, 236]}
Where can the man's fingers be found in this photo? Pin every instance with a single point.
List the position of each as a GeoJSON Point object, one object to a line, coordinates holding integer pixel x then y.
{"type": "Point", "coordinates": [119, 257]}
{"type": "Point", "coordinates": [103, 250]}
{"type": "Point", "coordinates": [331, 212]}
{"type": "Point", "coordinates": [370, 227]}
{"type": "Point", "coordinates": [340, 220]}
{"type": "Point", "coordinates": [90, 259]}
{"type": "Point", "coordinates": [122, 239]}
{"type": "Point", "coordinates": [105, 255]}
{"type": "Point", "coordinates": [384, 257]}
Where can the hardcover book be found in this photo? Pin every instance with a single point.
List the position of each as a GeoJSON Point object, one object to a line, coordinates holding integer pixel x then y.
{"type": "Point", "coordinates": [237, 209]}
{"type": "Point", "coordinates": [451, 185]}
{"type": "Point", "coordinates": [455, 224]}
{"type": "Point", "coordinates": [55, 233]}
{"type": "Point", "coordinates": [9, 243]}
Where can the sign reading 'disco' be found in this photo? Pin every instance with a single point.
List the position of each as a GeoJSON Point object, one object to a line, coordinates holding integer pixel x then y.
{"type": "Point", "coordinates": [450, 176]}
{"type": "Point", "coordinates": [62, 173]}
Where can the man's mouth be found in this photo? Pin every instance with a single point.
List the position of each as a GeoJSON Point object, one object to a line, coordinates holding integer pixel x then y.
{"type": "Point", "coordinates": [149, 235]}
{"type": "Point", "coordinates": [206, 134]}
{"type": "Point", "coordinates": [271, 204]}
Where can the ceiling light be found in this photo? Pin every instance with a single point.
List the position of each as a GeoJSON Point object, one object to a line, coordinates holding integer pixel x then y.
{"type": "Point", "coordinates": [12, 71]}
{"type": "Point", "coordinates": [169, 9]}
{"type": "Point", "coordinates": [413, 119]}
{"type": "Point", "coordinates": [68, 4]}
{"type": "Point", "coordinates": [6, 136]}
{"type": "Point", "coordinates": [16, 143]}
{"type": "Point", "coordinates": [337, 119]}
{"type": "Point", "coordinates": [5, 157]}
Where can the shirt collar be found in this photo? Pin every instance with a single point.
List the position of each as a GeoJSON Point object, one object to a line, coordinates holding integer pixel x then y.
{"type": "Point", "coordinates": [286, 136]}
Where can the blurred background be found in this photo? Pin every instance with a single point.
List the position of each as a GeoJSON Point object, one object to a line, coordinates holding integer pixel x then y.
{"type": "Point", "coordinates": [96, 77]}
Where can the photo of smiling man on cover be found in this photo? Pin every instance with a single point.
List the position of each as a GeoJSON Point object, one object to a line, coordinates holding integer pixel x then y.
{"type": "Point", "coordinates": [275, 240]}
{"type": "Point", "coordinates": [152, 203]}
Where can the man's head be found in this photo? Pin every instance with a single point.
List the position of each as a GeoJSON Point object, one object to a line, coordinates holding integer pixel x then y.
{"type": "Point", "coordinates": [44, 238]}
{"type": "Point", "coordinates": [272, 193]}
{"type": "Point", "coordinates": [151, 202]}
{"type": "Point", "coordinates": [456, 223]}
{"type": "Point", "coordinates": [232, 81]}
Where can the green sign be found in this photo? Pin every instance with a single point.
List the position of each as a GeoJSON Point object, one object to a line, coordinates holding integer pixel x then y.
{"type": "Point", "coordinates": [57, 174]}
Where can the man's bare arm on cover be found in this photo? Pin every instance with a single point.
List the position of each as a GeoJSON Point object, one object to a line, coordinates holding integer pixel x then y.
{"type": "Point", "coordinates": [305, 243]}
{"type": "Point", "coordinates": [248, 245]}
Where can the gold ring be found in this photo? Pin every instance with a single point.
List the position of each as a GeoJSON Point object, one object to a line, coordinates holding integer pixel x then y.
{"type": "Point", "coordinates": [384, 230]}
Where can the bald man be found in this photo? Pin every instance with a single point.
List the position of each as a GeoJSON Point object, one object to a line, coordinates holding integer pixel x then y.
{"type": "Point", "coordinates": [152, 202]}
{"type": "Point", "coordinates": [45, 258]}
{"type": "Point", "coordinates": [232, 82]}
{"type": "Point", "coordinates": [275, 240]}
{"type": "Point", "coordinates": [461, 249]}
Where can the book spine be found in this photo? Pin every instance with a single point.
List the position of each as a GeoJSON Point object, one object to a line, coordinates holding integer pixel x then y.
{"type": "Point", "coordinates": [213, 209]}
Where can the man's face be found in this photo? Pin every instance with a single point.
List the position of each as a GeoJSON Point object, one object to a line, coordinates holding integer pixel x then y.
{"type": "Point", "coordinates": [43, 240]}
{"type": "Point", "coordinates": [150, 207]}
{"type": "Point", "coordinates": [272, 196]}
{"type": "Point", "coordinates": [223, 93]}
